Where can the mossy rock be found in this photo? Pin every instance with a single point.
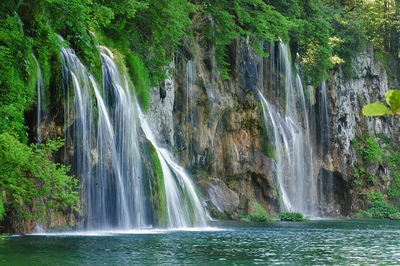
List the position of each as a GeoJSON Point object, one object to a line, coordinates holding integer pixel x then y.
{"type": "Point", "coordinates": [159, 197]}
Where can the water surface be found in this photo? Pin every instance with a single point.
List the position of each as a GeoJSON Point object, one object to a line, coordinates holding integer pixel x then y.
{"type": "Point", "coordinates": [314, 242]}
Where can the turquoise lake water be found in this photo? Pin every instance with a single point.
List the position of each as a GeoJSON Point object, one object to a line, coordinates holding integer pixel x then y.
{"type": "Point", "coordinates": [313, 242]}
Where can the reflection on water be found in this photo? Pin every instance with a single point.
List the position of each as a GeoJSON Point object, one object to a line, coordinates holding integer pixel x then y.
{"type": "Point", "coordinates": [314, 242]}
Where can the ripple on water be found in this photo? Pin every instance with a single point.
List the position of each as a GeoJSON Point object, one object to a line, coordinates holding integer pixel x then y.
{"type": "Point", "coordinates": [315, 242]}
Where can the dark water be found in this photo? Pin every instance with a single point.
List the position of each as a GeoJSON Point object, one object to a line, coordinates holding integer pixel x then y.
{"type": "Point", "coordinates": [314, 242]}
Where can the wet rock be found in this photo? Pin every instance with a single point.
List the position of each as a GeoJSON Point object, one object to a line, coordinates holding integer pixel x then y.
{"type": "Point", "coordinates": [218, 196]}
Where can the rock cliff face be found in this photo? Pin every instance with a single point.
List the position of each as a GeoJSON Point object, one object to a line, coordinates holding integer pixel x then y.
{"type": "Point", "coordinates": [215, 128]}
{"type": "Point", "coordinates": [346, 100]}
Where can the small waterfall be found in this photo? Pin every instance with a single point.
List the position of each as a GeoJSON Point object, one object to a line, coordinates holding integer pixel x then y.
{"type": "Point", "coordinates": [78, 133]}
{"type": "Point", "coordinates": [102, 137]}
{"type": "Point", "coordinates": [324, 133]}
{"type": "Point", "coordinates": [274, 128]}
{"type": "Point", "coordinates": [107, 156]}
{"type": "Point", "coordinates": [326, 179]}
{"type": "Point", "coordinates": [40, 99]}
{"type": "Point", "coordinates": [291, 139]}
{"type": "Point", "coordinates": [183, 204]}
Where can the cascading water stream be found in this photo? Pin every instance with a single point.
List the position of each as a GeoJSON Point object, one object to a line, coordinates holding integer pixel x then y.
{"type": "Point", "coordinates": [104, 132]}
{"type": "Point", "coordinates": [183, 204]}
{"type": "Point", "coordinates": [40, 98]}
{"type": "Point", "coordinates": [270, 116]}
{"type": "Point", "coordinates": [291, 140]}
{"type": "Point", "coordinates": [105, 157]}
{"type": "Point", "coordinates": [324, 134]}
{"type": "Point", "coordinates": [326, 182]}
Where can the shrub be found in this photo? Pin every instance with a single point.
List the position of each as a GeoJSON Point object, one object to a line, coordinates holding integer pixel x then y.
{"type": "Point", "coordinates": [292, 217]}
{"type": "Point", "coordinates": [379, 208]}
{"type": "Point", "coordinates": [26, 174]}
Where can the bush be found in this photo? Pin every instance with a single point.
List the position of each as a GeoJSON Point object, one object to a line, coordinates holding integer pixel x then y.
{"type": "Point", "coordinates": [379, 209]}
{"type": "Point", "coordinates": [292, 217]}
{"type": "Point", "coordinates": [26, 174]}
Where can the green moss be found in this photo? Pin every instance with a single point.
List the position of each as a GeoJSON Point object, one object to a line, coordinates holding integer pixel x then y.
{"type": "Point", "coordinates": [158, 190]}
{"type": "Point", "coordinates": [140, 78]}
{"type": "Point", "coordinates": [268, 148]}
{"type": "Point", "coordinates": [292, 217]}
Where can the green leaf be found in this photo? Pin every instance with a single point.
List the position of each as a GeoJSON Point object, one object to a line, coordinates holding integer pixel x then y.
{"type": "Point", "coordinates": [393, 100]}
{"type": "Point", "coordinates": [375, 109]}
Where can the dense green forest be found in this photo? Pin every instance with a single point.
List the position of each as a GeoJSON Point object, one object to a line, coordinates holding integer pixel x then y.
{"type": "Point", "coordinates": [323, 33]}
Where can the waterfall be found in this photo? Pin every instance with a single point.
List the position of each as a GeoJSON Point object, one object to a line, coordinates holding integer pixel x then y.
{"type": "Point", "coordinates": [78, 127]}
{"type": "Point", "coordinates": [274, 128]}
{"type": "Point", "coordinates": [40, 99]}
{"type": "Point", "coordinates": [183, 204]}
{"type": "Point", "coordinates": [102, 137]}
{"type": "Point", "coordinates": [324, 133]}
{"type": "Point", "coordinates": [291, 139]}
{"type": "Point", "coordinates": [326, 179]}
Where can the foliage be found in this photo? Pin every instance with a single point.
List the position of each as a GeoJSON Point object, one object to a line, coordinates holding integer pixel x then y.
{"type": "Point", "coordinates": [392, 98]}
{"type": "Point", "coordinates": [379, 209]}
{"type": "Point", "coordinates": [16, 72]}
{"type": "Point", "coordinates": [313, 38]}
{"type": "Point", "coordinates": [2, 211]}
{"type": "Point", "coordinates": [394, 164]}
{"type": "Point", "coordinates": [381, 19]}
{"type": "Point", "coordinates": [259, 216]}
{"type": "Point", "coordinates": [371, 152]}
{"type": "Point", "coordinates": [292, 217]}
{"type": "Point", "coordinates": [156, 31]}
{"type": "Point", "coordinates": [256, 20]}
{"type": "Point", "coordinates": [349, 33]}
{"type": "Point", "coordinates": [26, 175]}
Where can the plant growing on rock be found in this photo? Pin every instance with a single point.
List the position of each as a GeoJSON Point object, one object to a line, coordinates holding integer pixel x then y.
{"type": "Point", "coordinates": [379, 208]}
{"type": "Point", "coordinates": [392, 98]}
{"type": "Point", "coordinates": [292, 217]}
